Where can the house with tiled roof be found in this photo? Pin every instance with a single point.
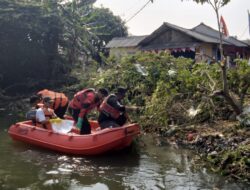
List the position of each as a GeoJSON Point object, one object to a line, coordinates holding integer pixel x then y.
{"type": "Point", "coordinates": [200, 43]}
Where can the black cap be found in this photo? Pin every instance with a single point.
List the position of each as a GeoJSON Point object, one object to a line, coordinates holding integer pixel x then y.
{"type": "Point", "coordinates": [103, 91]}
{"type": "Point", "coordinates": [121, 90]}
{"type": "Point", "coordinates": [34, 99]}
{"type": "Point", "coordinates": [47, 99]}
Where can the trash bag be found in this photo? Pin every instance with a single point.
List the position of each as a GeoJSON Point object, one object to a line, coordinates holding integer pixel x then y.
{"type": "Point", "coordinates": [62, 126]}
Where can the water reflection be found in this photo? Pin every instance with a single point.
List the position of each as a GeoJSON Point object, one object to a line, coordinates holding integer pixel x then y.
{"type": "Point", "coordinates": [25, 167]}
{"type": "Point", "coordinates": [170, 168]}
{"type": "Point", "coordinates": [60, 171]}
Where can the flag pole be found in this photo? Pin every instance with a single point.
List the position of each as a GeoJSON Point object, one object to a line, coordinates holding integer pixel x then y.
{"type": "Point", "coordinates": [248, 21]}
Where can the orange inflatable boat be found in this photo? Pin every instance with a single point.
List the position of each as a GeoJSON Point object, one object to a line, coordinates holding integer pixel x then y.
{"type": "Point", "coordinates": [98, 142]}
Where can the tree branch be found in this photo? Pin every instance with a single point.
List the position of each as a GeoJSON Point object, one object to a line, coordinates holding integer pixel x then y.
{"type": "Point", "coordinates": [243, 93]}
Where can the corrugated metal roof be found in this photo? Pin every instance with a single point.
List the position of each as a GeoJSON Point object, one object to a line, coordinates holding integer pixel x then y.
{"type": "Point", "coordinates": [202, 33]}
{"type": "Point", "coordinates": [194, 34]}
{"type": "Point", "coordinates": [131, 41]}
{"type": "Point", "coordinates": [208, 31]}
{"type": "Point", "coordinates": [246, 42]}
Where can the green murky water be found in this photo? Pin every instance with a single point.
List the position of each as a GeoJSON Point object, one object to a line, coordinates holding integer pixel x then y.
{"type": "Point", "coordinates": [25, 167]}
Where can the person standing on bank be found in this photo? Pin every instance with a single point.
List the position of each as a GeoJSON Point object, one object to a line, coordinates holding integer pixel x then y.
{"type": "Point", "coordinates": [84, 102]}
{"type": "Point", "coordinates": [60, 101]}
{"type": "Point", "coordinates": [112, 111]}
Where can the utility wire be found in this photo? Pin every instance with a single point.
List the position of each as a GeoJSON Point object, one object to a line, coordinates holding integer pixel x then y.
{"type": "Point", "coordinates": [132, 6]}
{"type": "Point", "coordinates": [138, 11]}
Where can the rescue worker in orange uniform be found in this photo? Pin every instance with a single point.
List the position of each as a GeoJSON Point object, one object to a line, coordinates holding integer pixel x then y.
{"type": "Point", "coordinates": [112, 111]}
{"type": "Point", "coordinates": [60, 101]}
{"type": "Point", "coordinates": [45, 113]}
{"type": "Point", "coordinates": [84, 102]}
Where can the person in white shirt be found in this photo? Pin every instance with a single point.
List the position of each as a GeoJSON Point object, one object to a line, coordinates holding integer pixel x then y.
{"type": "Point", "coordinates": [44, 114]}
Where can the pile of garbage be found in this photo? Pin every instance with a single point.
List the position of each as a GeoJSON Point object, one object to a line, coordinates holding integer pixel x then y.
{"type": "Point", "coordinates": [225, 145]}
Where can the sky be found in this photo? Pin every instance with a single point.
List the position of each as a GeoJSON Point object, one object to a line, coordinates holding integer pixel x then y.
{"type": "Point", "coordinates": [186, 14]}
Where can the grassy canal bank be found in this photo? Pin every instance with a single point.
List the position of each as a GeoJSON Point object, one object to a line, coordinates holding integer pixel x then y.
{"type": "Point", "coordinates": [224, 147]}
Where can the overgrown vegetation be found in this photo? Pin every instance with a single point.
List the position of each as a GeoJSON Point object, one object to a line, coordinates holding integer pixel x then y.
{"type": "Point", "coordinates": [172, 91]}
{"type": "Point", "coordinates": [178, 100]}
{"type": "Point", "coordinates": [41, 41]}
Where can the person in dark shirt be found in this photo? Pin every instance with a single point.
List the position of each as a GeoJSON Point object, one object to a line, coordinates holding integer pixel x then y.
{"type": "Point", "coordinates": [112, 111]}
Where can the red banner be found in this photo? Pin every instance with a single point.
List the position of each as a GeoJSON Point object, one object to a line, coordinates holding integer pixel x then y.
{"type": "Point", "coordinates": [223, 27]}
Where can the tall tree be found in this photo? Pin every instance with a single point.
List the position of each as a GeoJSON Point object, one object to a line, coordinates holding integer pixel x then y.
{"type": "Point", "coordinates": [216, 5]}
{"type": "Point", "coordinates": [88, 29]}
{"type": "Point", "coordinates": [77, 40]}
{"type": "Point", "coordinates": [105, 25]}
{"type": "Point", "coordinates": [40, 37]}
{"type": "Point", "coordinates": [29, 40]}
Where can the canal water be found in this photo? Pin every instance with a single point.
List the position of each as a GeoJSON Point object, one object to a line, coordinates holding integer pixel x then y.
{"type": "Point", "coordinates": [144, 166]}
